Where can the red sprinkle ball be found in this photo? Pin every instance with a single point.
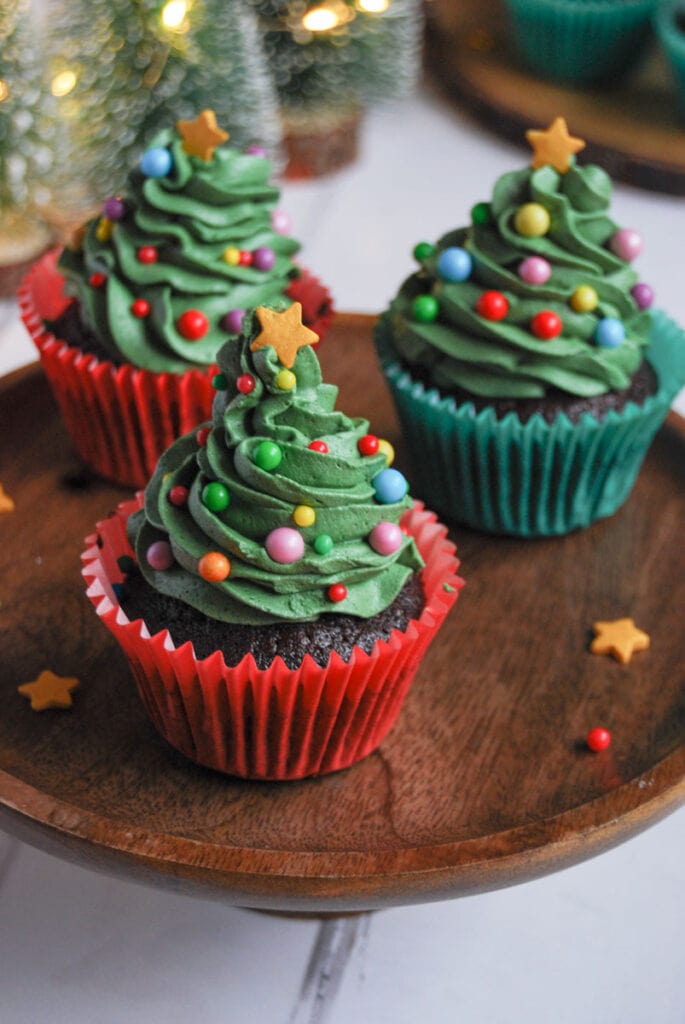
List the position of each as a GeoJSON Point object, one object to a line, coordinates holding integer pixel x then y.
{"type": "Point", "coordinates": [202, 435]}
{"type": "Point", "coordinates": [368, 444]}
{"type": "Point", "coordinates": [140, 307]}
{"type": "Point", "coordinates": [96, 280]}
{"type": "Point", "coordinates": [337, 592]}
{"type": "Point", "coordinates": [192, 325]}
{"type": "Point", "coordinates": [598, 738]}
{"type": "Point", "coordinates": [546, 325]}
{"type": "Point", "coordinates": [147, 254]}
{"type": "Point", "coordinates": [178, 495]}
{"type": "Point", "coordinates": [318, 446]}
{"type": "Point", "coordinates": [245, 383]}
{"type": "Point", "coordinates": [246, 259]}
{"type": "Point", "coordinates": [492, 306]}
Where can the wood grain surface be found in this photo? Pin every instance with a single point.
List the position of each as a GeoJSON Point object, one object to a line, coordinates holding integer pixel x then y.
{"type": "Point", "coordinates": [484, 781]}
{"type": "Point", "coordinates": [632, 128]}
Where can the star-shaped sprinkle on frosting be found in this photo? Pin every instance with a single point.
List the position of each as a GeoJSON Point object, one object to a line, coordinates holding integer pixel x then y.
{"type": "Point", "coordinates": [6, 503]}
{"type": "Point", "coordinates": [201, 136]}
{"type": "Point", "coordinates": [620, 638]}
{"type": "Point", "coordinates": [554, 146]}
{"type": "Point", "coordinates": [49, 691]}
{"type": "Point", "coordinates": [284, 331]}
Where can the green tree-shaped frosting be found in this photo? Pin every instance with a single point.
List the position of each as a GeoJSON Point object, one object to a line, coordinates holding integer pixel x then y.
{"type": "Point", "coordinates": [225, 492]}
{"type": "Point", "coordinates": [197, 239]}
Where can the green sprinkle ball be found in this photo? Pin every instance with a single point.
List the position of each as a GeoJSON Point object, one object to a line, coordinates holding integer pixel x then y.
{"type": "Point", "coordinates": [268, 455]}
{"type": "Point", "coordinates": [215, 497]}
{"type": "Point", "coordinates": [425, 309]}
{"type": "Point", "coordinates": [480, 213]}
{"type": "Point", "coordinates": [423, 251]}
{"type": "Point", "coordinates": [323, 544]}
{"type": "Point", "coordinates": [219, 382]}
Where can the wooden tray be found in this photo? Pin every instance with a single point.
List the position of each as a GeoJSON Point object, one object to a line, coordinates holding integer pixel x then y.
{"type": "Point", "coordinates": [484, 781]}
{"type": "Point", "coordinates": [632, 130]}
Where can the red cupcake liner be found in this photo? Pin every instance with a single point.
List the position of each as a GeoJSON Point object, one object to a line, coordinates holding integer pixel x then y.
{"type": "Point", "coordinates": [121, 418]}
{"type": "Point", "coordinates": [275, 723]}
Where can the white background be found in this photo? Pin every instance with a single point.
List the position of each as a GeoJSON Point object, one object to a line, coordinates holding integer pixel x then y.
{"type": "Point", "coordinates": [601, 943]}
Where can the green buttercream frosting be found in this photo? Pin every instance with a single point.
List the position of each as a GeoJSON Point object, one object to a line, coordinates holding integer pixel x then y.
{"type": "Point", "coordinates": [504, 359]}
{"type": "Point", "coordinates": [190, 216]}
{"type": "Point", "coordinates": [337, 485]}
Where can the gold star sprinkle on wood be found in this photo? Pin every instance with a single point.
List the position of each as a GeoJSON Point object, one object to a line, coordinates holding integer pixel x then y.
{"type": "Point", "coordinates": [201, 136]}
{"type": "Point", "coordinates": [554, 146]}
{"type": "Point", "coordinates": [284, 331]}
{"type": "Point", "coordinates": [620, 638]}
{"type": "Point", "coordinates": [6, 503]}
{"type": "Point", "coordinates": [49, 691]}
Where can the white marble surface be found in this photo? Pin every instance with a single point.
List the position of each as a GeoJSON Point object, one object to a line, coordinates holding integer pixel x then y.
{"type": "Point", "coordinates": [600, 943]}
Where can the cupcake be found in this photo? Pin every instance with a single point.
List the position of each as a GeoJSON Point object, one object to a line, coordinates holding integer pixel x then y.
{"type": "Point", "coordinates": [580, 42]}
{"type": "Point", "coordinates": [275, 589]}
{"type": "Point", "coordinates": [529, 371]}
{"type": "Point", "coordinates": [129, 321]}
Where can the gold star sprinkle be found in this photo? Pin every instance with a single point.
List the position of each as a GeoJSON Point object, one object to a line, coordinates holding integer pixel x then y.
{"type": "Point", "coordinates": [554, 146]}
{"type": "Point", "coordinates": [620, 638]}
{"type": "Point", "coordinates": [6, 503]}
{"type": "Point", "coordinates": [49, 691]}
{"type": "Point", "coordinates": [284, 331]}
{"type": "Point", "coordinates": [201, 136]}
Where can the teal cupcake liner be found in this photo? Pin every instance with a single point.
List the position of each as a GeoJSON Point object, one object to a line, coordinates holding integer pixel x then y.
{"type": "Point", "coordinates": [669, 24]}
{"type": "Point", "coordinates": [531, 479]}
{"type": "Point", "coordinates": [580, 41]}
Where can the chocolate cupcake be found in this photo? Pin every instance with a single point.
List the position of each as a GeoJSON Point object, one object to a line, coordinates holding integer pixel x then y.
{"type": "Point", "coordinates": [529, 371]}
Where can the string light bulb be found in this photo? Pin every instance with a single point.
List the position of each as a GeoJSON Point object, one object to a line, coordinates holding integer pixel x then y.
{"type": "Point", "coordinates": [63, 83]}
{"type": "Point", "coordinates": [327, 16]}
{"type": "Point", "coordinates": [4, 90]}
{"type": "Point", "coordinates": [373, 6]}
{"type": "Point", "coordinates": [174, 14]}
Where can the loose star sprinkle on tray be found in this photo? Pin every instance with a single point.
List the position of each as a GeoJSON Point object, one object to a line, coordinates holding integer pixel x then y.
{"type": "Point", "coordinates": [620, 638]}
{"type": "Point", "coordinates": [49, 691]}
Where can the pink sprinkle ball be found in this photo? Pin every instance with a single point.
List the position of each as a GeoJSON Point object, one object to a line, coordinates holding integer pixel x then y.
{"type": "Point", "coordinates": [386, 538]}
{"type": "Point", "coordinates": [284, 545]}
{"type": "Point", "coordinates": [159, 555]}
{"type": "Point", "coordinates": [534, 270]}
{"type": "Point", "coordinates": [281, 222]}
{"type": "Point", "coordinates": [256, 151]}
{"type": "Point", "coordinates": [626, 244]}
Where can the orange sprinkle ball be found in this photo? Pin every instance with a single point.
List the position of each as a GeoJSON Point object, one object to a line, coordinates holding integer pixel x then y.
{"type": "Point", "coordinates": [214, 567]}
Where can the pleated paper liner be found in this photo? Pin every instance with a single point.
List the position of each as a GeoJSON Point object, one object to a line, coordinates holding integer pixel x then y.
{"type": "Point", "coordinates": [275, 723]}
{"type": "Point", "coordinates": [534, 479]}
{"type": "Point", "coordinates": [121, 419]}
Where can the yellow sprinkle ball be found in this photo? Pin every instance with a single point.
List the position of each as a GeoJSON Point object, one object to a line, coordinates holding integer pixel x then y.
{"type": "Point", "coordinates": [584, 299]}
{"type": "Point", "coordinates": [286, 380]}
{"type": "Point", "coordinates": [231, 255]}
{"type": "Point", "coordinates": [532, 220]}
{"type": "Point", "coordinates": [386, 449]}
{"type": "Point", "coordinates": [103, 230]}
{"type": "Point", "coordinates": [304, 515]}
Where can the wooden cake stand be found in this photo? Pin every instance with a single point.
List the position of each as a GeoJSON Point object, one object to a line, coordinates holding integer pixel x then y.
{"type": "Point", "coordinates": [484, 781]}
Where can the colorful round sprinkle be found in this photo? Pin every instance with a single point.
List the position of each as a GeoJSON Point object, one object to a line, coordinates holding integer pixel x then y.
{"type": "Point", "coordinates": [192, 325]}
{"type": "Point", "coordinates": [425, 309]}
{"type": "Point", "coordinates": [480, 214]}
{"type": "Point", "coordinates": [178, 495]}
{"type": "Point", "coordinates": [643, 295]}
{"type": "Point", "coordinates": [304, 515]}
{"type": "Point", "coordinates": [280, 222]}
{"type": "Point", "coordinates": [147, 254]}
{"type": "Point", "coordinates": [584, 299]}
{"type": "Point", "coordinates": [103, 230]}
{"type": "Point", "coordinates": [231, 255]}
{"type": "Point", "coordinates": [97, 279]}
{"type": "Point", "coordinates": [386, 538]}
{"type": "Point", "coordinates": [532, 220]}
{"type": "Point", "coordinates": [284, 545]}
{"type": "Point", "coordinates": [546, 325]}
{"type": "Point", "coordinates": [159, 555]}
{"type": "Point", "coordinates": [323, 544]}
{"type": "Point", "coordinates": [318, 446]}
{"type": "Point", "coordinates": [610, 332]}
{"type": "Point", "coordinates": [245, 383]}
{"type": "Point", "coordinates": [368, 444]}
{"type": "Point", "coordinates": [246, 258]}
{"type": "Point", "coordinates": [201, 436]}
{"type": "Point", "coordinates": [233, 321]}
{"type": "Point", "coordinates": [285, 380]}
{"type": "Point", "coordinates": [215, 496]}
{"type": "Point", "coordinates": [264, 258]}
{"type": "Point", "coordinates": [219, 382]}
{"type": "Point", "coordinates": [598, 738]}
{"type": "Point", "coordinates": [626, 244]}
{"type": "Point", "coordinates": [140, 308]}
{"type": "Point", "coordinates": [454, 264]}
{"type": "Point", "coordinates": [337, 592]}
{"type": "Point", "coordinates": [390, 486]}
{"type": "Point", "coordinates": [385, 448]}
{"type": "Point", "coordinates": [214, 567]}
{"type": "Point", "coordinates": [423, 251]}
{"type": "Point", "coordinates": [156, 162]}
{"type": "Point", "coordinates": [534, 270]}
{"type": "Point", "coordinates": [492, 305]}
{"type": "Point", "coordinates": [114, 208]}
{"type": "Point", "coordinates": [268, 455]}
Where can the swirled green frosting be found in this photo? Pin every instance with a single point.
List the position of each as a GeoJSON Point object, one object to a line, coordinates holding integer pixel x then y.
{"type": "Point", "coordinates": [190, 216]}
{"type": "Point", "coordinates": [336, 484]}
{"type": "Point", "coordinates": [504, 359]}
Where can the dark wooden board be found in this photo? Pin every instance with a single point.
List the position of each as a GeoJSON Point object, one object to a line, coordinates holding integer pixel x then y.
{"type": "Point", "coordinates": [484, 781]}
{"type": "Point", "coordinates": [632, 129]}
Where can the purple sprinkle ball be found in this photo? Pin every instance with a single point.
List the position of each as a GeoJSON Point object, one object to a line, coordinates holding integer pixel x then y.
{"type": "Point", "coordinates": [643, 295]}
{"type": "Point", "coordinates": [233, 321]}
{"type": "Point", "coordinates": [114, 208]}
{"type": "Point", "coordinates": [159, 555]}
{"type": "Point", "coordinates": [263, 258]}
